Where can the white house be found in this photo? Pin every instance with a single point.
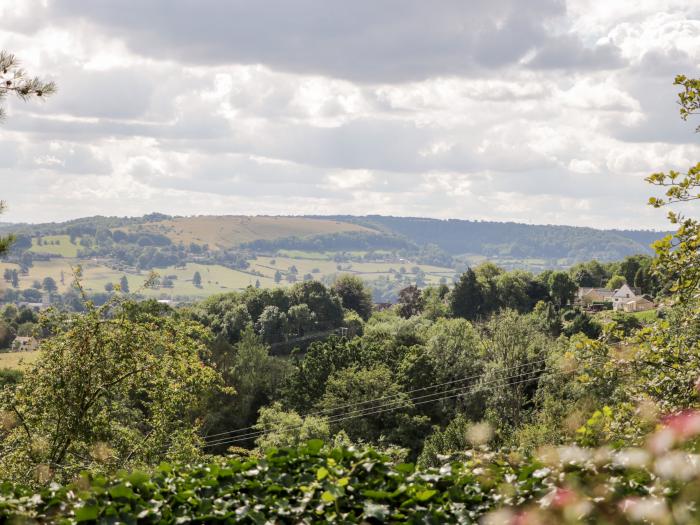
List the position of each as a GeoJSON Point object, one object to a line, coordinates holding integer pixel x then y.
{"type": "Point", "coordinates": [627, 299]}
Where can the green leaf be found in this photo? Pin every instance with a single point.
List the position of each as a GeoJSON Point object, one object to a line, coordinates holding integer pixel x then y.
{"type": "Point", "coordinates": [314, 446]}
{"type": "Point", "coordinates": [322, 473]}
{"type": "Point", "coordinates": [328, 497]}
{"type": "Point", "coordinates": [87, 513]}
{"type": "Point", "coordinates": [405, 468]}
{"type": "Point", "coordinates": [425, 495]}
{"type": "Point", "coordinates": [121, 491]}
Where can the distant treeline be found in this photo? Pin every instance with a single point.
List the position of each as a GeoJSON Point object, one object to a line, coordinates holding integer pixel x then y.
{"type": "Point", "coordinates": [360, 241]}
{"type": "Point", "coordinates": [510, 239]}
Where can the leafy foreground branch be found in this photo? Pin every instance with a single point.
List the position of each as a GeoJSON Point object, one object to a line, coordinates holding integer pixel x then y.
{"type": "Point", "coordinates": [659, 483]}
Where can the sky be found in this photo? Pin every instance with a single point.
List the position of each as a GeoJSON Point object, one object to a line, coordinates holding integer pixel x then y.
{"type": "Point", "coordinates": [538, 111]}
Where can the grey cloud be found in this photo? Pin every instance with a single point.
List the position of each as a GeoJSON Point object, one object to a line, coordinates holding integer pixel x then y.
{"type": "Point", "coordinates": [568, 52]}
{"type": "Point", "coordinates": [661, 122]}
{"type": "Point", "coordinates": [362, 40]}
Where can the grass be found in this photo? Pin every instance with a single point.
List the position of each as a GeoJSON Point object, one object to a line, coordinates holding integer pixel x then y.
{"type": "Point", "coordinates": [230, 230]}
{"type": "Point", "coordinates": [648, 316]}
{"type": "Point", "coordinates": [64, 247]}
{"type": "Point", "coordinates": [215, 278]}
{"type": "Point", "coordinates": [18, 360]}
{"type": "Point", "coordinates": [645, 317]}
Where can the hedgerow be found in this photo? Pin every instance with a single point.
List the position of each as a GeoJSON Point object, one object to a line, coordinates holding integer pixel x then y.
{"type": "Point", "coordinates": [658, 484]}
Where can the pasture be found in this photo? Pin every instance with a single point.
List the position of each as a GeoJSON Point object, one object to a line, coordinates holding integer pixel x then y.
{"type": "Point", "coordinates": [216, 278]}
{"type": "Point", "coordinates": [230, 230]}
{"type": "Point", "coordinates": [55, 245]}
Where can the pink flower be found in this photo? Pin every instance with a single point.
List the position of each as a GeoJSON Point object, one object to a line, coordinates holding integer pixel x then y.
{"type": "Point", "coordinates": [563, 497]}
{"type": "Point", "coordinates": [685, 424]}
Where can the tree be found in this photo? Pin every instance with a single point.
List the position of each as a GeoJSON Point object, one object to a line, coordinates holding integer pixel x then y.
{"type": "Point", "coordinates": [466, 298]}
{"type": "Point", "coordinates": [678, 255]}
{"type": "Point", "coordinates": [354, 295]}
{"type": "Point", "coordinates": [288, 429]}
{"type": "Point", "coordinates": [322, 301]}
{"type": "Point", "coordinates": [435, 302]}
{"type": "Point", "coordinates": [15, 279]}
{"type": "Point", "coordinates": [124, 284]}
{"type": "Point", "coordinates": [512, 289]}
{"type": "Point", "coordinates": [615, 282]}
{"type": "Point", "coordinates": [629, 268]}
{"type": "Point", "coordinates": [278, 276]}
{"type": "Point", "coordinates": [49, 284]}
{"type": "Point", "coordinates": [254, 375]}
{"type": "Point", "coordinates": [197, 279]}
{"type": "Point", "coordinates": [300, 319]}
{"type": "Point", "coordinates": [357, 389]}
{"type": "Point", "coordinates": [108, 391]}
{"type": "Point", "coordinates": [272, 324]}
{"type": "Point", "coordinates": [562, 288]}
{"type": "Point", "coordinates": [18, 82]}
{"type": "Point", "coordinates": [410, 302]}
{"type": "Point", "coordinates": [584, 278]}
{"type": "Point", "coordinates": [109, 287]}
{"type": "Point", "coordinates": [512, 343]}
{"type": "Point", "coordinates": [487, 275]}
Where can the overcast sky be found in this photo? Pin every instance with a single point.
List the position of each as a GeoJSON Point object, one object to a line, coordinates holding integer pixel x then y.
{"type": "Point", "coordinates": [538, 111]}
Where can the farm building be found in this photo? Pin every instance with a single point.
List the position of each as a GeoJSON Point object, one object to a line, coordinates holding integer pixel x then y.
{"type": "Point", "coordinates": [589, 296]}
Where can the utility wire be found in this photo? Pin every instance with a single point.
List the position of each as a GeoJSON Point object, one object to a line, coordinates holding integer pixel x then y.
{"type": "Point", "coordinates": [236, 439]}
{"type": "Point", "coordinates": [361, 412]}
{"type": "Point", "coordinates": [392, 406]}
{"type": "Point", "coordinates": [348, 405]}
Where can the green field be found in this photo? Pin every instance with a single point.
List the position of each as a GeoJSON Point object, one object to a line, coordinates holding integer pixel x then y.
{"type": "Point", "coordinates": [17, 360]}
{"type": "Point", "coordinates": [64, 247]}
{"type": "Point", "coordinates": [215, 278]}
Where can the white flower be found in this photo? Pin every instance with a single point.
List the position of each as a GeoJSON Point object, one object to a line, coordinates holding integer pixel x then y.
{"type": "Point", "coordinates": [541, 473]}
{"type": "Point", "coordinates": [631, 458]}
{"type": "Point", "coordinates": [677, 465]}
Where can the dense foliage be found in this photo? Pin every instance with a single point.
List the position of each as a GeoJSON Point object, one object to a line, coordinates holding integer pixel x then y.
{"type": "Point", "coordinates": [340, 485]}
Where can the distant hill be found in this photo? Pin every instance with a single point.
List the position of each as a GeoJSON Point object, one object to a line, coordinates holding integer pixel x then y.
{"type": "Point", "coordinates": [514, 240]}
{"type": "Point", "coordinates": [430, 240]}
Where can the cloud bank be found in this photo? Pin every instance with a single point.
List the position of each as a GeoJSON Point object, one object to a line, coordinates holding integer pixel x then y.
{"type": "Point", "coordinates": [542, 111]}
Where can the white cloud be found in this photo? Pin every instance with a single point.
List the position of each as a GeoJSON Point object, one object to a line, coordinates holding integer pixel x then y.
{"type": "Point", "coordinates": [538, 112]}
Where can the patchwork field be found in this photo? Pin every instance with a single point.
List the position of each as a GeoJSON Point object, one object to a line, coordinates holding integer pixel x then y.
{"type": "Point", "coordinates": [230, 230]}
{"type": "Point", "coordinates": [216, 278]}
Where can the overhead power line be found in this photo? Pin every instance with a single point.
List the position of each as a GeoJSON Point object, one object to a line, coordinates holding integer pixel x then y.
{"type": "Point", "coordinates": [502, 382]}
{"type": "Point", "coordinates": [325, 411]}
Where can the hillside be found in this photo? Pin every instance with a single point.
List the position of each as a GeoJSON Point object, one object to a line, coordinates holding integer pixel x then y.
{"type": "Point", "coordinates": [227, 231]}
{"type": "Point", "coordinates": [499, 239]}
{"type": "Point", "coordinates": [232, 252]}
{"type": "Point", "coordinates": [560, 245]}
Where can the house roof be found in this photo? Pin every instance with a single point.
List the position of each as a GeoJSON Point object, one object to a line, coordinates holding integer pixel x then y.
{"type": "Point", "coordinates": [600, 291]}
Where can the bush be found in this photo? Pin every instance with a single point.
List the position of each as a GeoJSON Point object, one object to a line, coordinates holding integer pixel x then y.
{"type": "Point", "coordinates": [316, 484]}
